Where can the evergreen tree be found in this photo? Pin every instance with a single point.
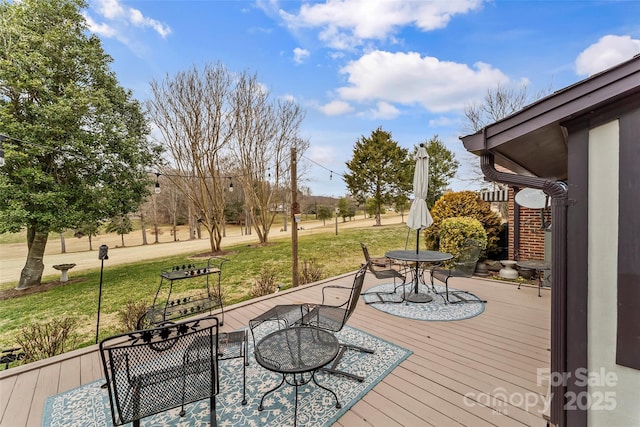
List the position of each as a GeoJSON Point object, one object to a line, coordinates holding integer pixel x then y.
{"type": "Point", "coordinates": [380, 169]}
{"type": "Point", "coordinates": [442, 168]}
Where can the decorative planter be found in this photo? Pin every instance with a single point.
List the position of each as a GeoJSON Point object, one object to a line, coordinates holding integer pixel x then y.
{"type": "Point", "coordinates": [481, 269]}
{"type": "Point", "coordinates": [508, 272]}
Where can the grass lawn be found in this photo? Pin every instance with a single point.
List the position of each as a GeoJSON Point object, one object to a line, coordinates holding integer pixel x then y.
{"type": "Point", "coordinates": [139, 281]}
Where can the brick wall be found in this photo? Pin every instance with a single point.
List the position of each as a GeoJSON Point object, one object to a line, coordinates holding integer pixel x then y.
{"type": "Point", "coordinates": [531, 232]}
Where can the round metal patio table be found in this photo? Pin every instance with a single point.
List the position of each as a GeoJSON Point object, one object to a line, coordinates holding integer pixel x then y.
{"type": "Point", "coordinates": [295, 352]}
{"type": "Point", "coordinates": [419, 257]}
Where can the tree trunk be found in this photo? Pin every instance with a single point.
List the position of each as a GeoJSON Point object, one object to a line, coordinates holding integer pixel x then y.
{"type": "Point", "coordinates": [214, 240]}
{"type": "Point", "coordinates": [90, 246]}
{"type": "Point", "coordinates": [122, 238]}
{"type": "Point", "coordinates": [63, 244]}
{"type": "Point", "coordinates": [192, 231]}
{"type": "Point", "coordinates": [175, 229]}
{"type": "Point", "coordinates": [144, 231]}
{"type": "Point", "coordinates": [155, 220]}
{"type": "Point", "coordinates": [32, 272]}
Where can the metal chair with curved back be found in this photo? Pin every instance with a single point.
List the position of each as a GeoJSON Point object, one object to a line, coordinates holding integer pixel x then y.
{"type": "Point", "coordinates": [463, 266]}
{"type": "Point", "coordinates": [153, 370]}
{"type": "Point", "coordinates": [382, 269]}
{"type": "Point", "coordinates": [334, 317]}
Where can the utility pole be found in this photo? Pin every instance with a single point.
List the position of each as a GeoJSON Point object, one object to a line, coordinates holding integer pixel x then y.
{"type": "Point", "coordinates": [295, 210]}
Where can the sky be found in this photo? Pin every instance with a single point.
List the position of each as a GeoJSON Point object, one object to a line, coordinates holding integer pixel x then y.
{"type": "Point", "coordinates": [409, 67]}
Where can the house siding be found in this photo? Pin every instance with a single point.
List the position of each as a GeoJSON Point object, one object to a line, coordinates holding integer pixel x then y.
{"type": "Point", "coordinates": [613, 389]}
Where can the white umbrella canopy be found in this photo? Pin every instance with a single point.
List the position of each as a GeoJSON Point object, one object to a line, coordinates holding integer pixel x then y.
{"type": "Point", "coordinates": [419, 216]}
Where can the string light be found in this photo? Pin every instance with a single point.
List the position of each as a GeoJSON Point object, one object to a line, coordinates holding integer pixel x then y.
{"type": "Point", "coordinates": [157, 189]}
{"type": "Point", "coordinates": [331, 172]}
{"type": "Point", "coordinates": [31, 144]}
{"type": "Point", "coordinates": [157, 184]}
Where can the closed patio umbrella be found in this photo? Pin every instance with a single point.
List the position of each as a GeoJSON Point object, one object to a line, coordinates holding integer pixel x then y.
{"type": "Point", "coordinates": [419, 216]}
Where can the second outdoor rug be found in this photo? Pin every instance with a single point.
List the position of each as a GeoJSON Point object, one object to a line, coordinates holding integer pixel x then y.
{"type": "Point", "coordinates": [88, 405]}
{"type": "Point", "coordinates": [381, 297]}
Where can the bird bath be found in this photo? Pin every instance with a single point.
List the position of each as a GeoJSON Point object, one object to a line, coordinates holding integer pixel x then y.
{"type": "Point", "coordinates": [64, 268]}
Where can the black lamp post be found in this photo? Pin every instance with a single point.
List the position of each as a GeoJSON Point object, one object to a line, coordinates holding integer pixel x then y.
{"type": "Point", "coordinates": [102, 255]}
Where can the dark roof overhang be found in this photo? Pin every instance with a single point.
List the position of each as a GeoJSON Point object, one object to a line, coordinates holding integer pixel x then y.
{"type": "Point", "coordinates": [533, 141]}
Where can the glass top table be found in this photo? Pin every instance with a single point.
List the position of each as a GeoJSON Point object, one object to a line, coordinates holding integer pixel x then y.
{"type": "Point", "coordinates": [418, 257]}
{"type": "Point", "coordinates": [297, 351]}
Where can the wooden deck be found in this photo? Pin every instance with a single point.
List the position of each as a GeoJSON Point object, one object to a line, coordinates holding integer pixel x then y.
{"type": "Point", "coordinates": [475, 372]}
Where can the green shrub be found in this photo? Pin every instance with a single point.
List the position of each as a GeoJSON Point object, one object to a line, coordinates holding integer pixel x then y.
{"type": "Point", "coordinates": [464, 204]}
{"type": "Point", "coordinates": [48, 339]}
{"type": "Point", "coordinates": [454, 231]}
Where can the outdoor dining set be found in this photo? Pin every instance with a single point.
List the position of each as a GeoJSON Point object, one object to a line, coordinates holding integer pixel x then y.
{"type": "Point", "coordinates": [170, 362]}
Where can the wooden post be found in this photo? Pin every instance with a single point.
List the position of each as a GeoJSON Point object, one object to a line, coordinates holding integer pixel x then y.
{"type": "Point", "coordinates": [295, 209]}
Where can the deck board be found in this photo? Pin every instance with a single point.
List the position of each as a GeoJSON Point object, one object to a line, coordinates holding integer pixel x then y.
{"type": "Point", "coordinates": [46, 386]}
{"type": "Point", "coordinates": [491, 356]}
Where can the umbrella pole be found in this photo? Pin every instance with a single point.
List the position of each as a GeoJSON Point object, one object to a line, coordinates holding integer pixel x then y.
{"type": "Point", "coordinates": [417, 263]}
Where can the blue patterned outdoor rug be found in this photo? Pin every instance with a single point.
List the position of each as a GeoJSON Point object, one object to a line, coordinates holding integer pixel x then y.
{"type": "Point", "coordinates": [384, 299]}
{"type": "Point", "coordinates": [88, 405]}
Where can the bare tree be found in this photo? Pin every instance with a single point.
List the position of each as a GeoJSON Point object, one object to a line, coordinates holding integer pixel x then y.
{"type": "Point", "coordinates": [265, 131]}
{"type": "Point", "coordinates": [192, 112]}
{"type": "Point", "coordinates": [174, 204]}
{"type": "Point", "coordinates": [498, 103]}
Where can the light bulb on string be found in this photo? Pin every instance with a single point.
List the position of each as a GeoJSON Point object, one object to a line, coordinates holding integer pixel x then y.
{"type": "Point", "coordinates": [157, 189]}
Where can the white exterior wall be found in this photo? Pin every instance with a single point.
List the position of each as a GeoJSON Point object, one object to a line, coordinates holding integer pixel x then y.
{"type": "Point", "coordinates": [614, 391]}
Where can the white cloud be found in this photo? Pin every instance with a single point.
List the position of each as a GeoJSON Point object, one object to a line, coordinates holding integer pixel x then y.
{"type": "Point", "coordinates": [110, 9]}
{"type": "Point", "coordinates": [608, 51]}
{"type": "Point", "coordinates": [384, 110]}
{"type": "Point", "coordinates": [347, 23]}
{"type": "Point", "coordinates": [137, 19]}
{"type": "Point", "coordinates": [442, 121]}
{"type": "Point", "coordinates": [336, 107]}
{"type": "Point", "coordinates": [101, 29]}
{"type": "Point", "coordinates": [114, 11]}
{"type": "Point", "coordinates": [410, 79]}
{"type": "Point", "coordinates": [299, 55]}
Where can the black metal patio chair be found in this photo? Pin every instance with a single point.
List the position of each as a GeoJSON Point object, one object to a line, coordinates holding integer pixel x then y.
{"type": "Point", "coordinates": [463, 266]}
{"type": "Point", "coordinates": [153, 370]}
{"type": "Point", "coordinates": [382, 268]}
{"type": "Point", "coordinates": [334, 317]}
